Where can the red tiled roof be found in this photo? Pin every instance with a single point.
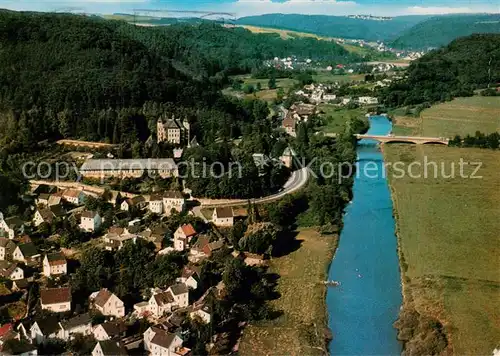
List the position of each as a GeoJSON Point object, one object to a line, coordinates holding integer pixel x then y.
{"type": "Point", "coordinates": [4, 329]}
{"type": "Point", "coordinates": [188, 230]}
{"type": "Point", "coordinates": [55, 295]}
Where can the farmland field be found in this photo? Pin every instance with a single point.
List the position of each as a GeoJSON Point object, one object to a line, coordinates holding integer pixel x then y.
{"type": "Point", "coordinates": [300, 330]}
{"type": "Point", "coordinates": [461, 116]}
{"type": "Point", "coordinates": [336, 118]}
{"type": "Point", "coordinates": [448, 231]}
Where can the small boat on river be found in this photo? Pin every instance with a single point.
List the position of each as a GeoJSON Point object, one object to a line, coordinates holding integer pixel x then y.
{"type": "Point", "coordinates": [332, 283]}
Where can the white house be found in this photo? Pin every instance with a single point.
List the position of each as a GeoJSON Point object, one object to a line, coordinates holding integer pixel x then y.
{"type": "Point", "coordinates": [190, 276]}
{"type": "Point", "coordinates": [137, 202]}
{"type": "Point", "coordinates": [367, 100]}
{"type": "Point", "coordinates": [108, 348]}
{"type": "Point", "coordinates": [183, 236]}
{"type": "Point", "coordinates": [56, 300]}
{"type": "Point", "coordinates": [10, 227]}
{"type": "Point", "coordinates": [107, 303]}
{"type": "Point", "coordinates": [161, 303]}
{"type": "Point", "coordinates": [165, 202]}
{"type": "Point", "coordinates": [160, 342]}
{"type": "Point", "coordinates": [54, 264]}
{"type": "Point", "coordinates": [73, 196]}
{"type": "Point", "coordinates": [80, 324]}
{"type": "Point", "coordinates": [223, 216]}
{"type": "Point", "coordinates": [12, 272]}
{"type": "Point", "coordinates": [109, 330]}
{"type": "Point", "coordinates": [43, 329]}
{"type": "Point", "coordinates": [90, 221]}
{"type": "Point", "coordinates": [26, 253]}
{"type": "Point", "coordinates": [201, 312]}
{"type": "Point", "coordinates": [180, 292]}
{"type": "Point", "coordinates": [156, 204]}
{"type": "Point", "coordinates": [48, 215]}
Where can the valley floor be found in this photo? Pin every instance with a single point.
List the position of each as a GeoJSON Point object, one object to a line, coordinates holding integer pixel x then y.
{"type": "Point", "coordinates": [448, 227]}
{"type": "Point", "coordinates": [300, 330]}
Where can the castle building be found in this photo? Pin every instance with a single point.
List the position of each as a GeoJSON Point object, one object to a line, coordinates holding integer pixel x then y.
{"type": "Point", "coordinates": [173, 131]}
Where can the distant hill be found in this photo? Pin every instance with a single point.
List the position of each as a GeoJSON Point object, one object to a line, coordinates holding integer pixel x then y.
{"type": "Point", "coordinates": [336, 26]}
{"type": "Point", "coordinates": [439, 31]}
{"type": "Point", "coordinates": [466, 64]}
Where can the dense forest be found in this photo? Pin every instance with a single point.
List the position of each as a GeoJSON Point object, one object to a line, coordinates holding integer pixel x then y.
{"type": "Point", "coordinates": [336, 26]}
{"type": "Point", "coordinates": [441, 30]}
{"type": "Point", "coordinates": [458, 69]}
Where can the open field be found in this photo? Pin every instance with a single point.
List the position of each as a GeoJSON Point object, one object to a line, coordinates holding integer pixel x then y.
{"type": "Point", "coordinates": [448, 232]}
{"type": "Point", "coordinates": [461, 116]}
{"type": "Point", "coordinates": [300, 330]}
{"type": "Point", "coordinates": [328, 77]}
{"type": "Point", "coordinates": [264, 94]}
{"type": "Point", "coordinates": [336, 118]}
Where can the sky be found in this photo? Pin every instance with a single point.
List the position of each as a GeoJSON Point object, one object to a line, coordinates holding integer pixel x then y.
{"type": "Point", "coordinates": [256, 7]}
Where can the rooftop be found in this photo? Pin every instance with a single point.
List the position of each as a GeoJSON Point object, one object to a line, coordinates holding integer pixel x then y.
{"type": "Point", "coordinates": [55, 295]}
{"type": "Point", "coordinates": [128, 164]}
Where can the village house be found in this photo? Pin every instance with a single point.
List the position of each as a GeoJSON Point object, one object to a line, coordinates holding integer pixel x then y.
{"type": "Point", "coordinates": [11, 271]}
{"type": "Point", "coordinates": [203, 248]}
{"type": "Point", "coordinates": [26, 253]}
{"type": "Point", "coordinates": [7, 333]}
{"type": "Point", "coordinates": [56, 300]}
{"type": "Point", "coordinates": [109, 330]}
{"type": "Point", "coordinates": [90, 221]}
{"type": "Point", "coordinates": [180, 292]}
{"type": "Point", "coordinates": [302, 111]}
{"type": "Point", "coordinates": [128, 168]}
{"type": "Point", "coordinates": [7, 247]}
{"type": "Point", "coordinates": [201, 312]}
{"type": "Point", "coordinates": [54, 264]}
{"type": "Point", "coordinates": [250, 259]}
{"type": "Point", "coordinates": [287, 157]}
{"type": "Point", "coordinates": [116, 237]}
{"type": "Point", "coordinates": [161, 303]}
{"type": "Point", "coordinates": [161, 343]}
{"type": "Point", "coordinates": [154, 236]}
{"type": "Point", "coordinates": [73, 196]}
{"type": "Point", "coordinates": [107, 303]}
{"type": "Point", "coordinates": [138, 202]}
{"type": "Point", "coordinates": [80, 324]}
{"type": "Point", "coordinates": [190, 276]}
{"type": "Point", "coordinates": [44, 329]}
{"type": "Point", "coordinates": [289, 124]}
{"type": "Point", "coordinates": [108, 348]}
{"type": "Point", "coordinates": [183, 236]}
{"type": "Point", "coordinates": [367, 100]}
{"type": "Point", "coordinates": [42, 199]}
{"type": "Point", "coordinates": [48, 215]}
{"type": "Point", "coordinates": [223, 216]}
{"type": "Point", "coordinates": [11, 227]}
{"type": "Point", "coordinates": [165, 202]}
{"type": "Point", "coordinates": [20, 284]}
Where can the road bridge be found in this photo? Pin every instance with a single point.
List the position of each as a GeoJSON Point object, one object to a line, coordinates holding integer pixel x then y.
{"type": "Point", "coordinates": [401, 139]}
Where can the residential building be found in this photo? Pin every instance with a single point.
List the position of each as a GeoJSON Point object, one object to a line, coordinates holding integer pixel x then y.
{"type": "Point", "coordinates": [131, 168]}
{"type": "Point", "coordinates": [190, 276]}
{"type": "Point", "coordinates": [56, 300]}
{"type": "Point", "coordinates": [7, 333]}
{"type": "Point", "coordinates": [42, 199]}
{"type": "Point", "coordinates": [367, 100]}
{"type": "Point", "coordinates": [223, 216]}
{"type": "Point", "coordinates": [109, 330]}
{"type": "Point", "coordinates": [48, 215]}
{"type": "Point", "coordinates": [73, 196]}
{"type": "Point", "coordinates": [108, 303]}
{"type": "Point", "coordinates": [7, 247]}
{"type": "Point", "coordinates": [164, 203]}
{"type": "Point", "coordinates": [43, 329]}
{"type": "Point", "coordinates": [54, 264]}
{"type": "Point", "coordinates": [161, 303]}
{"type": "Point", "coordinates": [161, 343]}
{"type": "Point", "coordinates": [137, 202]}
{"type": "Point", "coordinates": [289, 124]}
{"type": "Point", "coordinates": [183, 236]}
{"type": "Point", "coordinates": [288, 156]}
{"type": "Point", "coordinates": [26, 253]}
{"type": "Point", "coordinates": [203, 248]}
{"type": "Point", "coordinates": [90, 221]}
{"type": "Point", "coordinates": [201, 312]}
{"type": "Point", "coordinates": [20, 284]}
{"type": "Point", "coordinates": [180, 292]}
{"type": "Point", "coordinates": [108, 348]}
{"type": "Point", "coordinates": [11, 227]}
{"type": "Point", "coordinates": [80, 324]}
{"type": "Point", "coordinates": [12, 272]}
{"type": "Point", "coordinates": [156, 204]}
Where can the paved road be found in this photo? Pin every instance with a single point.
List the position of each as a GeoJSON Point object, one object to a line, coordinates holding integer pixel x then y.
{"type": "Point", "coordinates": [297, 181]}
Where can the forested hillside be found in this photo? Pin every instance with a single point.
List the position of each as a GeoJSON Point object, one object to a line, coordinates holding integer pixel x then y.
{"type": "Point", "coordinates": [336, 26]}
{"type": "Point", "coordinates": [71, 76]}
{"type": "Point", "coordinates": [456, 70]}
{"type": "Point", "coordinates": [440, 31]}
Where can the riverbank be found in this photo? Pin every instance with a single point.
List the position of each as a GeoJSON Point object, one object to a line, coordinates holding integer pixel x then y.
{"type": "Point", "coordinates": [449, 247]}
{"type": "Point", "coordinates": [302, 328]}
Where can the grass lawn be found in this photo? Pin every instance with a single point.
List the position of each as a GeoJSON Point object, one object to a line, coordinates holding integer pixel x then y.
{"type": "Point", "coordinates": [336, 118]}
{"type": "Point", "coordinates": [449, 236]}
{"type": "Point", "coordinates": [264, 94]}
{"type": "Point", "coordinates": [325, 77]}
{"type": "Point", "coordinates": [301, 328]}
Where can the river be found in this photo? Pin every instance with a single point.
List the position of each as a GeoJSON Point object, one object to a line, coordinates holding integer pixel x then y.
{"type": "Point", "coordinates": [366, 304]}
